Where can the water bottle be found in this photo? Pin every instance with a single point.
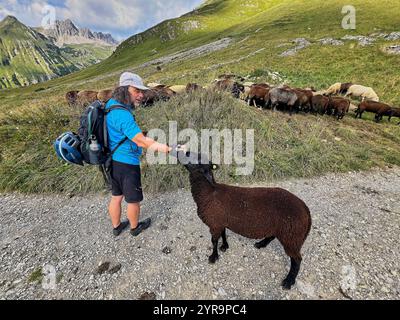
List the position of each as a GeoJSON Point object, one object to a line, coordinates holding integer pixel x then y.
{"type": "Point", "coordinates": [94, 145]}
{"type": "Point", "coordinates": [94, 150]}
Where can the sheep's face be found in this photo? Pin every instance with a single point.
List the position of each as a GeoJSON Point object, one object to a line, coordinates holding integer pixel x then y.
{"type": "Point", "coordinates": [198, 165]}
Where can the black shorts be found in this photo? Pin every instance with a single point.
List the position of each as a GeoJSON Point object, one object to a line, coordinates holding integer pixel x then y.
{"type": "Point", "coordinates": [125, 180]}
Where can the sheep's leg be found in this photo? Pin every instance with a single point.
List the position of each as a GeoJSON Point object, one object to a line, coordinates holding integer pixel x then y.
{"type": "Point", "coordinates": [290, 280]}
{"type": "Point", "coordinates": [264, 243]}
{"type": "Point", "coordinates": [214, 256]}
{"type": "Point", "coordinates": [225, 245]}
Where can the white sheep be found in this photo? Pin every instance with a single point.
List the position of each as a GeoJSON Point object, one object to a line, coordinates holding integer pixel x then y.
{"type": "Point", "coordinates": [366, 93]}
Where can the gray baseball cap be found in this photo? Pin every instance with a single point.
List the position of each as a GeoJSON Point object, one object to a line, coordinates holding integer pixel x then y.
{"type": "Point", "coordinates": [131, 79]}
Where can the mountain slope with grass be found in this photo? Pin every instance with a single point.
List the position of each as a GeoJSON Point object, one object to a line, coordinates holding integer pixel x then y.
{"type": "Point", "coordinates": [28, 57]}
{"type": "Point", "coordinates": [247, 38]}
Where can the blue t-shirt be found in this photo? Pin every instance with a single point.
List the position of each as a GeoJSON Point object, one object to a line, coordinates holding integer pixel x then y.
{"type": "Point", "coordinates": [120, 124]}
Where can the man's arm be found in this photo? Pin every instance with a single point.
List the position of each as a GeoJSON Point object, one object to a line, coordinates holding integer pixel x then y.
{"type": "Point", "coordinates": [145, 142]}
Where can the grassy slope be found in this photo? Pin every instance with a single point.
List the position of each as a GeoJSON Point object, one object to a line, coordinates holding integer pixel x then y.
{"type": "Point", "coordinates": [85, 55]}
{"type": "Point", "coordinates": [37, 58]}
{"type": "Point", "coordinates": [291, 148]}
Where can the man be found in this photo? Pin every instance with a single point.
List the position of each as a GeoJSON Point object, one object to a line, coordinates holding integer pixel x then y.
{"type": "Point", "coordinates": [125, 169]}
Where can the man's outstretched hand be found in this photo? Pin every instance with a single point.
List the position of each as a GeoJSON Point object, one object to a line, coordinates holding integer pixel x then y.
{"type": "Point", "coordinates": [176, 148]}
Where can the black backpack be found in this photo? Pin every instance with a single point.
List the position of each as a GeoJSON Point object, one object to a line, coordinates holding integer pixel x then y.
{"type": "Point", "coordinates": [93, 135]}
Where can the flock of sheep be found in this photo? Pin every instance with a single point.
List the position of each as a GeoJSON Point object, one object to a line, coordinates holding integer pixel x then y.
{"type": "Point", "coordinates": [263, 95]}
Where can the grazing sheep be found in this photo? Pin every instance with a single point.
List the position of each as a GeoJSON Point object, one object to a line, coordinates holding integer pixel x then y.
{"type": "Point", "coordinates": [282, 96]}
{"type": "Point", "coordinates": [258, 96]}
{"type": "Point", "coordinates": [149, 97]}
{"type": "Point", "coordinates": [255, 213]}
{"type": "Point", "coordinates": [104, 95]}
{"type": "Point", "coordinates": [156, 94]}
{"type": "Point", "coordinates": [384, 111]}
{"type": "Point", "coordinates": [228, 85]}
{"type": "Point", "coordinates": [245, 94]}
{"type": "Point", "coordinates": [339, 106]}
{"type": "Point", "coordinates": [366, 93]}
{"type": "Point", "coordinates": [153, 85]}
{"type": "Point", "coordinates": [191, 87]}
{"type": "Point", "coordinates": [374, 107]}
{"type": "Point", "coordinates": [87, 97]}
{"type": "Point", "coordinates": [165, 93]}
{"type": "Point", "coordinates": [345, 87]}
{"type": "Point", "coordinates": [178, 89]}
{"type": "Point", "coordinates": [71, 97]}
{"type": "Point", "coordinates": [304, 99]}
{"type": "Point", "coordinates": [333, 89]}
{"type": "Point", "coordinates": [319, 104]}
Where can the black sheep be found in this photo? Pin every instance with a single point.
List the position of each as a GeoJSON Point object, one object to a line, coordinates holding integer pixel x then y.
{"type": "Point", "coordinates": [255, 213]}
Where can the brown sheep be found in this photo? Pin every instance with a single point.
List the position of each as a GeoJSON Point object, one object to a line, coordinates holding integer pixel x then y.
{"type": "Point", "coordinates": [258, 96]}
{"type": "Point", "coordinates": [304, 99]}
{"type": "Point", "coordinates": [87, 97]}
{"type": "Point", "coordinates": [156, 94]}
{"type": "Point", "coordinates": [231, 86]}
{"type": "Point", "coordinates": [339, 106]}
{"type": "Point", "coordinates": [374, 107]}
{"type": "Point", "coordinates": [255, 213]}
{"type": "Point", "coordinates": [149, 97]}
{"type": "Point", "coordinates": [71, 97]}
{"type": "Point", "coordinates": [344, 87]}
{"type": "Point", "coordinates": [104, 95]}
{"type": "Point", "coordinates": [190, 87]}
{"type": "Point", "coordinates": [320, 104]}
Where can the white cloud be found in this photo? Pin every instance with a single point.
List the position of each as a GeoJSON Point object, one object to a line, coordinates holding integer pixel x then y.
{"type": "Point", "coordinates": [30, 13]}
{"type": "Point", "coordinates": [120, 17]}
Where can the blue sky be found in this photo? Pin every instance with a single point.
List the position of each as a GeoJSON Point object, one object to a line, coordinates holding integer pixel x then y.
{"type": "Point", "coordinates": [121, 18]}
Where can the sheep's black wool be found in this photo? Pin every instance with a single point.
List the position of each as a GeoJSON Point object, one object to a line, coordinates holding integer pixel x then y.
{"type": "Point", "coordinates": [255, 213]}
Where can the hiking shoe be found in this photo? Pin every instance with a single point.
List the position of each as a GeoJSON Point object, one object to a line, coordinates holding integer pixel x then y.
{"type": "Point", "coordinates": [143, 225]}
{"type": "Point", "coordinates": [123, 225]}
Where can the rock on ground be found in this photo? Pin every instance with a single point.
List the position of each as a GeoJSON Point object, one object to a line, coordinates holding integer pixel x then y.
{"type": "Point", "coordinates": [53, 247]}
{"type": "Point", "coordinates": [301, 44]}
{"type": "Point", "coordinates": [395, 49]}
{"type": "Point", "coordinates": [331, 41]}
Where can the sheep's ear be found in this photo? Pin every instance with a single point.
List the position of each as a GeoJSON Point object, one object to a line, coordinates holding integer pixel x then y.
{"type": "Point", "coordinates": [214, 167]}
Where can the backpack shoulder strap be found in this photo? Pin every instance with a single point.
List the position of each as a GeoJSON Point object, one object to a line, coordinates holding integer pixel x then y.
{"type": "Point", "coordinates": [105, 131]}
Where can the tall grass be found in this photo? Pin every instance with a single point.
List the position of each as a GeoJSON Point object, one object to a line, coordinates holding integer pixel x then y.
{"type": "Point", "coordinates": [285, 146]}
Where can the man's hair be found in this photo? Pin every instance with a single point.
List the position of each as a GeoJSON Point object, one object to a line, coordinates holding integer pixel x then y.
{"type": "Point", "coordinates": [122, 95]}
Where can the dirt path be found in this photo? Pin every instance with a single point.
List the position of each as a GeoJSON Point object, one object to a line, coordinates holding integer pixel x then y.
{"type": "Point", "coordinates": [352, 251]}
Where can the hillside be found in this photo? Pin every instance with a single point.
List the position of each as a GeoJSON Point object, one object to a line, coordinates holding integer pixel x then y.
{"type": "Point", "coordinates": [250, 38]}
{"type": "Point", "coordinates": [28, 57]}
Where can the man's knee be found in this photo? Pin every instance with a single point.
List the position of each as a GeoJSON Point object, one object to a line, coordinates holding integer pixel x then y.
{"type": "Point", "coordinates": [117, 199]}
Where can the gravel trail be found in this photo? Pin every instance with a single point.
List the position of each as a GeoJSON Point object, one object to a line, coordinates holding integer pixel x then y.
{"type": "Point", "coordinates": [352, 252]}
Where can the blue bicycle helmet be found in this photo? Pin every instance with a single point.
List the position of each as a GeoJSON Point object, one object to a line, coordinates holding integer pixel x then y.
{"type": "Point", "coordinates": [67, 148]}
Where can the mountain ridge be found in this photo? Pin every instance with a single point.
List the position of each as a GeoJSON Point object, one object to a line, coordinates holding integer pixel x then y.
{"type": "Point", "coordinates": [66, 32]}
